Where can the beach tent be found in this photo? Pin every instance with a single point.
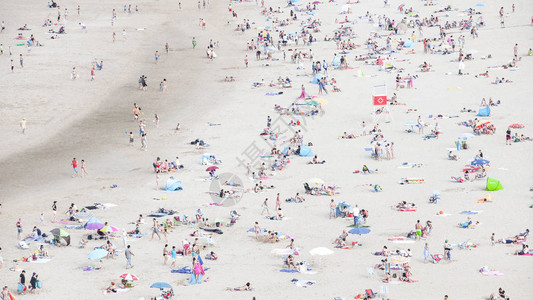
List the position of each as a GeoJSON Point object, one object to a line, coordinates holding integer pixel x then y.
{"type": "Point", "coordinates": [493, 184]}
{"type": "Point", "coordinates": [340, 208]}
{"type": "Point", "coordinates": [484, 112]}
{"type": "Point", "coordinates": [205, 158]}
{"type": "Point", "coordinates": [173, 185]}
{"type": "Point", "coordinates": [336, 61]}
{"type": "Point", "coordinates": [317, 78]}
{"type": "Point", "coordinates": [306, 151]}
{"type": "Point", "coordinates": [408, 44]}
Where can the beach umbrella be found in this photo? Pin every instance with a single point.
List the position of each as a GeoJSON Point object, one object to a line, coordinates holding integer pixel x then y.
{"type": "Point", "coordinates": [479, 162]}
{"type": "Point", "coordinates": [109, 229]}
{"type": "Point", "coordinates": [480, 4]}
{"type": "Point", "coordinates": [471, 51]}
{"type": "Point", "coordinates": [161, 285]}
{"type": "Point", "coordinates": [294, 1]}
{"type": "Point", "coordinates": [315, 181]}
{"type": "Point", "coordinates": [466, 136]}
{"type": "Point", "coordinates": [321, 251]}
{"type": "Point", "coordinates": [94, 226]}
{"type": "Point", "coordinates": [316, 2]}
{"type": "Point", "coordinates": [129, 277]}
{"type": "Point", "coordinates": [98, 253]}
{"type": "Point", "coordinates": [59, 232]}
{"type": "Point", "coordinates": [322, 101]}
{"type": "Point", "coordinates": [93, 223]}
{"type": "Point", "coordinates": [313, 102]}
{"type": "Point", "coordinates": [211, 168]}
{"type": "Point", "coordinates": [361, 230]}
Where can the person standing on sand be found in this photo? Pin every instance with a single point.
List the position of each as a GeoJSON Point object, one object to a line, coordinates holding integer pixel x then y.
{"type": "Point", "coordinates": [19, 228]}
{"type": "Point", "coordinates": [131, 138]}
{"type": "Point", "coordinates": [75, 166]}
{"type": "Point", "coordinates": [418, 228]}
{"type": "Point", "coordinates": [23, 125]}
{"type": "Point", "coordinates": [426, 253]}
{"type": "Point", "coordinates": [128, 253]}
{"type": "Point", "coordinates": [508, 137]}
{"type": "Point", "coordinates": [165, 254]}
{"type": "Point", "coordinates": [166, 47]}
{"type": "Point", "coordinates": [246, 61]}
{"type": "Point", "coordinates": [155, 229]}
{"type": "Point", "coordinates": [12, 67]}
{"type": "Point", "coordinates": [194, 42]}
{"type": "Point", "coordinates": [124, 34]}
{"type": "Point", "coordinates": [332, 207]}
{"type": "Point", "coordinates": [114, 37]}
{"type": "Point", "coordinates": [144, 144]}
{"type": "Point", "coordinates": [278, 203]}
{"type": "Point", "coordinates": [92, 74]}
{"type": "Point", "coordinates": [21, 59]}
{"type": "Point", "coordinates": [156, 56]}
{"type": "Point", "coordinates": [257, 230]}
{"type": "Point", "coordinates": [54, 211]}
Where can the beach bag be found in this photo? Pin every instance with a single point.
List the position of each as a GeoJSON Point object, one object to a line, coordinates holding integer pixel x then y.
{"type": "Point", "coordinates": [21, 288]}
{"type": "Point", "coordinates": [39, 284]}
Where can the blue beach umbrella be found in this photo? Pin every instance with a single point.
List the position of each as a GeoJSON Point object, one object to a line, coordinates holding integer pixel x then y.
{"type": "Point", "coordinates": [361, 230]}
{"type": "Point", "coordinates": [161, 285]}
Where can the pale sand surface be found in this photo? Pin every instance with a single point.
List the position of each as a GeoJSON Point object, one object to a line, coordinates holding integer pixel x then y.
{"type": "Point", "coordinates": [87, 120]}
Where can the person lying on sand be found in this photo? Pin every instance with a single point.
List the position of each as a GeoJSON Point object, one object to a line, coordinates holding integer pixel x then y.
{"type": "Point", "coordinates": [348, 136]}
{"type": "Point", "coordinates": [246, 287]}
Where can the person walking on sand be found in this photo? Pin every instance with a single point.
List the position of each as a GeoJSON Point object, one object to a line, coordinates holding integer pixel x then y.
{"type": "Point", "coordinates": [21, 59]}
{"type": "Point", "coordinates": [508, 140]}
{"type": "Point", "coordinates": [124, 34]}
{"type": "Point", "coordinates": [23, 125]}
{"type": "Point", "coordinates": [128, 253]}
{"type": "Point", "coordinates": [194, 42]}
{"type": "Point", "coordinates": [92, 74]}
{"type": "Point", "coordinates": [246, 61]}
{"type": "Point", "coordinates": [278, 203]}
{"type": "Point", "coordinates": [12, 67]}
{"type": "Point", "coordinates": [156, 56]}
{"type": "Point", "coordinates": [155, 229]}
{"type": "Point", "coordinates": [167, 47]}
{"type": "Point", "coordinates": [114, 37]}
{"type": "Point", "coordinates": [83, 168]}
{"type": "Point", "coordinates": [173, 254]}
{"type": "Point", "coordinates": [132, 139]}
{"type": "Point", "coordinates": [265, 207]}
{"type": "Point", "coordinates": [332, 207]}
{"type": "Point", "coordinates": [75, 166]}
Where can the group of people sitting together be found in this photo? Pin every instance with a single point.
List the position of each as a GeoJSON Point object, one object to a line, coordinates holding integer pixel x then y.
{"type": "Point", "coordinates": [166, 166]}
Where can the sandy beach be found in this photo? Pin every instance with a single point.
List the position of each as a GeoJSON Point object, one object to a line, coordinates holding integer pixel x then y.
{"type": "Point", "coordinates": [90, 120]}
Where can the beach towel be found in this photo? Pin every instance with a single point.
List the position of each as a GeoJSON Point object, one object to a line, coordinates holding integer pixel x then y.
{"type": "Point", "coordinates": [303, 283]}
{"type": "Point", "coordinates": [41, 260]}
{"type": "Point", "coordinates": [119, 292]}
{"type": "Point", "coordinates": [288, 271]}
{"type": "Point", "coordinates": [470, 212]}
{"type": "Point", "coordinates": [274, 94]}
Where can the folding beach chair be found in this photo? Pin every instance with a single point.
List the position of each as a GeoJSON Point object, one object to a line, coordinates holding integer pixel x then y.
{"type": "Point", "coordinates": [370, 293]}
